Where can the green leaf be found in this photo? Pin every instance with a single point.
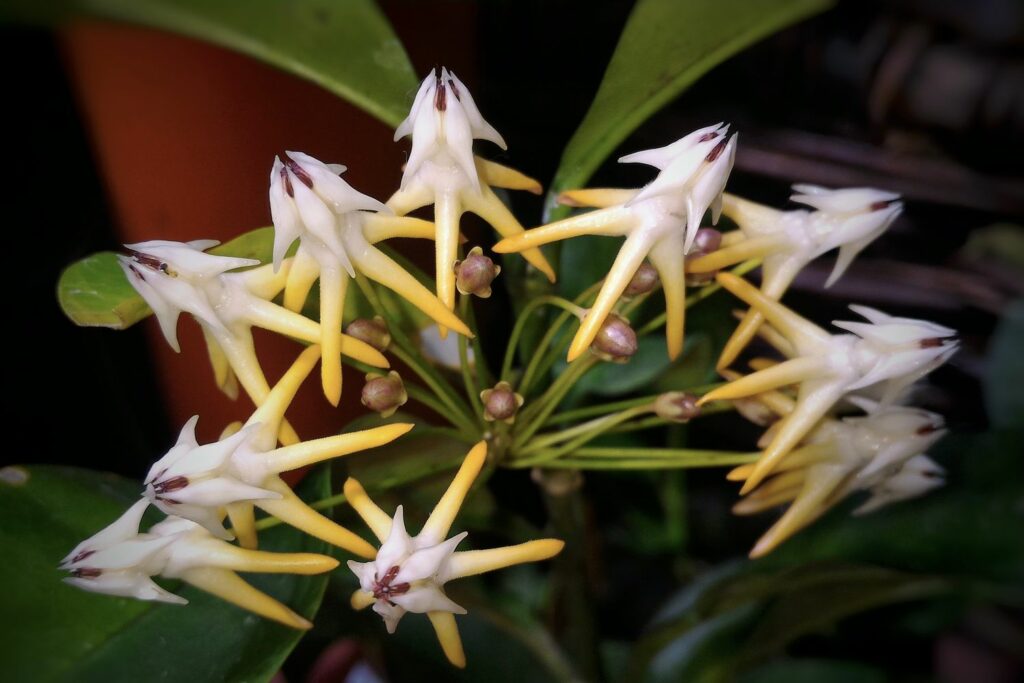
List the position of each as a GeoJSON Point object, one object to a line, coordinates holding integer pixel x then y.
{"type": "Point", "coordinates": [347, 47]}
{"type": "Point", "coordinates": [1004, 399]}
{"type": "Point", "coordinates": [66, 634]}
{"type": "Point", "coordinates": [666, 46]}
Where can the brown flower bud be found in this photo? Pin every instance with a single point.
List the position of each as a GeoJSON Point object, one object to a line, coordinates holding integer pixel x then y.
{"type": "Point", "coordinates": [384, 394]}
{"type": "Point", "coordinates": [374, 332]}
{"type": "Point", "coordinates": [501, 403]}
{"type": "Point", "coordinates": [615, 341]}
{"type": "Point", "coordinates": [706, 241]}
{"type": "Point", "coordinates": [677, 406]}
{"type": "Point", "coordinates": [475, 274]}
{"type": "Point", "coordinates": [644, 280]}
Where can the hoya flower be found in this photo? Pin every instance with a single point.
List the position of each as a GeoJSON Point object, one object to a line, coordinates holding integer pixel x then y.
{"type": "Point", "coordinates": [847, 220]}
{"type": "Point", "coordinates": [176, 277]}
{"type": "Point", "coordinates": [336, 230]}
{"type": "Point", "coordinates": [119, 560]}
{"type": "Point", "coordinates": [841, 456]}
{"type": "Point", "coordinates": [826, 367]}
{"type": "Point", "coordinates": [442, 171]}
{"type": "Point", "coordinates": [241, 470]}
{"type": "Point", "coordinates": [916, 477]}
{"type": "Point", "coordinates": [410, 572]}
{"type": "Point", "coordinates": [660, 223]}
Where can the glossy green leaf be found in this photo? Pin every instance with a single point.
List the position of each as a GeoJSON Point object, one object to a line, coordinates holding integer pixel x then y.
{"type": "Point", "coordinates": [65, 634]}
{"type": "Point", "coordinates": [346, 47]}
{"type": "Point", "coordinates": [665, 47]}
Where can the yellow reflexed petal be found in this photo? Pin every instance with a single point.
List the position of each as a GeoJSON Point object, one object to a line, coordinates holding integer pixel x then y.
{"type": "Point", "coordinates": [381, 268]}
{"type": "Point", "coordinates": [317, 450]}
{"type": "Point", "coordinates": [750, 216]}
{"type": "Point", "coordinates": [378, 227]}
{"type": "Point", "coordinates": [227, 556]}
{"type": "Point", "coordinates": [375, 518]}
{"type": "Point", "coordinates": [333, 285]}
{"type": "Point", "coordinates": [783, 374]}
{"type": "Point", "coordinates": [410, 199]}
{"type": "Point", "coordinates": [633, 252]}
{"type": "Point", "coordinates": [361, 600]}
{"type": "Point", "coordinates": [497, 175]}
{"type": "Point", "coordinates": [440, 521]}
{"type": "Point", "coordinates": [667, 257]}
{"type": "Point", "coordinates": [304, 272]}
{"type": "Point", "coordinates": [264, 282]}
{"type": "Point", "coordinates": [804, 334]}
{"type": "Point", "coordinates": [610, 222]}
{"type": "Point", "coordinates": [810, 503]}
{"type": "Point", "coordinates": [447, 212]}
{"type": "Point", "coordinates": [448, 635]}
{"type": "Point", "coordinates": [732, 237]}
{"type": "Point", "coordinates": [243, 524]}
{"type": "Point", "coordinates": [271, 411]}
{"type": "Point", "coordinates": [472, 562]}
{"type": "Point", "coordinates": [222, 373]}
{"type": "Point", "coordinates": [752, 506]}
{"type": "Point", "coordinates": [801, 457]}
{"type": "Point", "coordinates": [227, 586]}
{"type": "Point", "coordinates": [812, 404]}
{"type": "Point", "coordinates": [776, 279]}
{"type": "Point", "coordinates": [600, 198]}
{"type": "Point", "coordinates": [291, 510]}
{"type": "Point", "coordinates": [768, 333]}
{"type": "Point", "coordinates": [762, 363]}
{"type": "Point", "coordinates": [230, 430]}
{"type": "Point", "coordinates": [740, 473]}
{"type": "Point", "coordinates": [487, 205]}
{"type": "Point", "coordinates": [755, 247]}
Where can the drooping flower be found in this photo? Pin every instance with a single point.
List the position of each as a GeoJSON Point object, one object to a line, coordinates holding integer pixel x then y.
{"type": "Point", "coordinates": [660, 222]}
{"type": "Point", "coordinates": [241, 470]}
{"type": "Point", "coordinates": [410, 572]}
{"type": "Point", "coordinates": [887, 351]}
{"type": "Point", "coordinates": [176, 277]}
{"type": "Point", "coordinates": [310, 202]}
{"type": "Point", "coordinates": [880, 452]}
{"type": "Point", "coordinates": [847, 219]}
{"type": "Point", "coordinates": [442, 171]}
{"type": "Point", "coordinates": [119, 560]}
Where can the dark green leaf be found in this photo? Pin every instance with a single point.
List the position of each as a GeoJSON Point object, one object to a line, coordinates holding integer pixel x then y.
{"type": "Point", "coordinates": [665, 47]}
{"type": "Point", "coordinates": [346, 47]}
{"type": "Point", "coordinates": [1004, 380]}
{"type": "Point", "coordinates": [65, 634]}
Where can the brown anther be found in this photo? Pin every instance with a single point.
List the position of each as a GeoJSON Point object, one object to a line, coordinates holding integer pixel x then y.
{"type": "Point", "coordinates": [382, 588]}
{"type": "Point", "coordinates": [455, 90]}
{"type": "Point", "coordinates": [717, 151]}
{"type": "Point", "coordinates": [440, 96]}
{"type": "Point", "coordinates": [883, 204]}
{"type": "Point", "coordinates": [287, 182]}
{"type": "Point", "coordinates": [928, 429]}
{"type": "Point", "coordinates": [643, 281]}
{"type": "Point", "coordinates": [708, 136]}
{"type": "Point", "coordinates": [173, 484]}
{"type": "Point", "coordinates": [299, 172]}
{"type": "Point", "coordinates": [82, 555]}
{"type": "Point", "coordinates": [151, 262]}
{"type": "Point", "coordinates": [85, 572]}
{"type": "Point", "coordinates": [931, 342]}
{"type": "Point", "coordinates": [615, 341]}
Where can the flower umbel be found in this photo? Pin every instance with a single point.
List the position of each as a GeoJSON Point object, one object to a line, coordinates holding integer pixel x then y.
{"type": "Point", "coordinates": [659, 221]}
{"type": "Point", "coordinates": [119, 560]}
{"type": "Point", "coordinates": [409, 572]}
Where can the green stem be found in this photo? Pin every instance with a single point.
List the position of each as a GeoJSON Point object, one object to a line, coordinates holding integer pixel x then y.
{"type": "Point", "coordinates": [602, 408]}
{"type": "Point", "coordinates": [576, 437]}
{"type": "Point", "coordinates": [524, 317]}
{"type": "Point", "coordinates": [472, 390]}
{"type": "Point", "coordinates": [536, 414]}
{"type": "Point", "coordinates": [466, 429]}
{"type": "Point", "coordinates": [645, 458]}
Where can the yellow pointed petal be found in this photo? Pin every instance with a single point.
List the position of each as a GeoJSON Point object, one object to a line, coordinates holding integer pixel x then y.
{"type": "Point", "coordinates": [633, 252]}
{"type": "Point", "coordinates": [472, 562]}
{"type": "Point", "coordinates": [361, 600]}
{"type": "Point", "coordinates": [497, 175]}
{"type": "Point", "coordinates": [804, 334]}
{"type": "Point", "coordinates": [381, 268]}
{"type": "Point", "coordinates": [237, 559]}
{"type": "Point", "coordinates": [271, 411]}
{"type": "Point", "coordinates": [755, 247]}
{"type": "Point", "coordinates": [601, 197]}
{"type": "Point", "coordinates": [783, 374]}
{"type": "Point", "coordinates": [410, 199]}
{"type": "Point", "coordinates": [378, 227]}
{"type": "Point", "coordinates": [448, 635]}
{"type": "Point", "coordinates": [762, 363]}
{"type": "Point", "coordinates": [222, 373]}
{"type": "Point", "coordinates": [750, 216]}
{"type": "Point", "coordinates": [291, 510]}
{"type": "Point", "coordinates": [447, 212]}
{"type": "Point", "coordinates": [732, 237]}
{"type": "Point", "coordinates": [753, 506]}
{"type": "Point", "coordinates": [375, 518]}
{"type": "Point", "coordinates": [808, 506]}
{"type": "Point", "coordinates": [611, 222]}
{"type": "Point", "coordinates": [740, 473]}
{"type": "Point", "coordinates": [333, 285]}
{"type": "Point", "coordinates": [264, 282]}
{"type": "Point", "coordinates": [775, 281]}
{"type": "Point", "coordinates": [311, 452]}
{"type": "Point", "coordinates": [812, 404]}
{"type": "Point", "coordinates": [243, 524]}
{"type": "Point", "coordinates": [304, 272]}
{"type": "Point", "coordinates": [489, 207]}
{"type": "Point", "coordinates": [227, 586]}
{"type": "Point", "coordinates": [440, 520]}
{"type": "Point", "coordinates": [667, 257]}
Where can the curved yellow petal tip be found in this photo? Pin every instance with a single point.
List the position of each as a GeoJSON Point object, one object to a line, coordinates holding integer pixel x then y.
{"type": "Point", "coordinates": [477, 454]}
{"type": "Point", "coordinates": [361, 600]}
{"type": "Point", "coordinates": [546, 548]}
{"type": "Point", "coordinates": [740, 473]}
{"type": "Point", "coordinates": [505, 246]}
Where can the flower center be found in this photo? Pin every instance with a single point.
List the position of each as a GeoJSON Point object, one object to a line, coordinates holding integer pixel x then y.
{"type": "Point", "coordinates": [383, 588]}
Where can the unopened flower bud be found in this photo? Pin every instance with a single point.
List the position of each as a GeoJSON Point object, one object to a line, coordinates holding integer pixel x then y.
{"type": "Point", "coordinates": [615, 341]}
{"type": "Point", "coordinates": [706, 241]}
{"type": "Point", "coordinates": [384, 394]}
{"type": "Point", "coordinates": [677, 406]}
{"type": "Point", "coordinates": [644, 280]}
{"type": "Point", "coordinates": [501, 403]}
{"type": "Point", "coordinates": [372, 331]}
{"type": "Point", "coordinates": [475, 274]}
